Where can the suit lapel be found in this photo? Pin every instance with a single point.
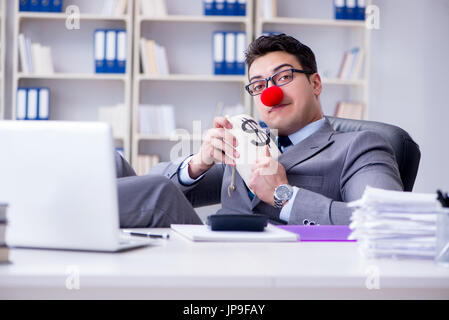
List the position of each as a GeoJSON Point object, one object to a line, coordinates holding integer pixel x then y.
{"type": "Point", "coordinates": [308, 148]}
{"type": "Point", "coordinates": [304, 150]}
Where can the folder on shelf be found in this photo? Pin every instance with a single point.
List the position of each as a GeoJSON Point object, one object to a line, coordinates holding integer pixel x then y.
{"type": "Point", "coordinates": [340, 10]}
{"type": "Point", "coordinates": [218, 52]}
{"type": "Point", "coordinates": [121, 51]}
{"type": "Point", "coordinates": [240, 52]}
{"type": "Point", "coordinates": [35, 5]}
{"type": "Point", "coordinates": [209, 7]}
{"type": "Point", "coordinates": [241, 8]}
{"type": "Point", "coordinates": [350, 7]}
{"type": "Point", "coordinates": [21, 103]}
{"type": "Point", "coordinates": [230, 51]}
{"type": "Point", "coordinates": [111, 51]}
{"type": "Point", "coordinates": [33, 103]}
{"type": "Point", "coordinates": [231, 7]}
{"type": "Point", "coordinates": [44, 104]}
{"type": "Point", "coordinates": [56, 5]}
{"type": "Point", "coordinates": [24, 5]}
{"type": "Point", "coordinates": [220, 7]}
{"type": "Point", "coordinates": [45, 5]}
{"type": "Point", "coordinates": [100, 47]}
{"type": "Point", "coordinates": [360, 9]}
{"type": "Point", "coordinates": [349, 110]}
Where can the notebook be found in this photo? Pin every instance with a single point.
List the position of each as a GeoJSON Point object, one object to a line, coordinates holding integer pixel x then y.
{"type": "Point", "coordinates": [204, 233]}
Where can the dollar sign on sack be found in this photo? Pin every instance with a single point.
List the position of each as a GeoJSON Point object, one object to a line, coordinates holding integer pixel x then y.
{"type": "Point", "coordinates": [250, 126]}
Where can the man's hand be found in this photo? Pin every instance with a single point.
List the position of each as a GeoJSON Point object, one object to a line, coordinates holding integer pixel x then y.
{"type": "Point", "coordinates": [217, 145]}
{"type": "Point", "coordinates": [267, 175]}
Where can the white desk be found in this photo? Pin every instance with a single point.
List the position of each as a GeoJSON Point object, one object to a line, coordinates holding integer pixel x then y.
{"type": "Point", "coordinates": [180, 269]}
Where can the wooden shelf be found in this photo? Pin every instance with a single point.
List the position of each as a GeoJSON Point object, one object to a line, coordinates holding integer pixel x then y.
{"type": "Point", "coordinates": [63, 16]}
{"type": "Point", "coordinates": [74, 76]}
{"type": "Point", "coordinates": [193, 77]}
{"type": "Point", "coordinates": [315, 22]}
{"type": "Point", "coordinates": [198, 19]}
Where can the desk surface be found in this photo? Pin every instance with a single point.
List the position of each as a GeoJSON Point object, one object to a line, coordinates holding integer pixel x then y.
{"type": "Point", "coordinates": [180, 269]}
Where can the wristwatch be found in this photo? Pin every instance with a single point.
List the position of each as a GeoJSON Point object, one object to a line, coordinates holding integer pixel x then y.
{"type": "Point", "coordinates": [282, 194]}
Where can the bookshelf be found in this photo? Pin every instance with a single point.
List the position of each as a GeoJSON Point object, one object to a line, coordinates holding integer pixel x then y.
{"type": "Point", "coordinates": [191, 87]}
{"type": "Point", "coordinates": [313, 23]}
{"type": "Point", "coordinates": [2, 56]}
{"type": "Point", "coordinates": [74, 84]}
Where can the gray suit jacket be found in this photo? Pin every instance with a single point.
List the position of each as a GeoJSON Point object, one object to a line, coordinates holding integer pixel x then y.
{"type": "Point", "coordinates": [329, 168]}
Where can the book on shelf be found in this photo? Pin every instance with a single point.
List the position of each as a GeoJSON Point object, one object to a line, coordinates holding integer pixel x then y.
{"type": "Point", "coordinates": [116, 117]}
{"type": "Point", "coordinates": [3, 208]}
{"type": "Point", "coordinates": [153, 8]}
{"type": "Point", "coordinates": [349, 110]}
{"type": "Point", "coordinates": [114, 8]}
{"type": "Point", "coordinates": [157, 119]}
{"type": "Point", "coordinates": [351, 64]}
{"type": "Point", "coordinates": [145, 162]}
{"type": "Point", "coordinates": [34, 57]}
{"type": "Point", "coordinates": [153, 58]}
{"type": "Point", "coordinates": [268, 8]}
{"type": "Point", "coordinates": [41, 5]}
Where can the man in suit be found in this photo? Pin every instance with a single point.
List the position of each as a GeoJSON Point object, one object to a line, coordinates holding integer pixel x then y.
{"type": "Point", "coordinates": [319, 169]}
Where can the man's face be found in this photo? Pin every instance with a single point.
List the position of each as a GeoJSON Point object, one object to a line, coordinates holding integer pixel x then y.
{"type": "Point", "coordinates": [300, 105]}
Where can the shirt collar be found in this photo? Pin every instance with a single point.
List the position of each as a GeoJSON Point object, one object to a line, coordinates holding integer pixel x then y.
{"type": "Point", "coordinates": [306, 131]}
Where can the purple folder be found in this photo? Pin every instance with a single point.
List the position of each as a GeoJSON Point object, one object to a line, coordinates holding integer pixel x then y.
{"type": "Point", "coordinates": [319, 233]}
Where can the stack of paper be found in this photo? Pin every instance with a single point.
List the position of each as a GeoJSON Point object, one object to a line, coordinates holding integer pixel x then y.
{"type": "Point", "coordinates": [157, 119]}
{"type": "Point", "coordinates": [395, 224]}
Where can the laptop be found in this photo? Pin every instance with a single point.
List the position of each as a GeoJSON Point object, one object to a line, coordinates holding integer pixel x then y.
{"type": "Point", "coordinates": [60, 183]}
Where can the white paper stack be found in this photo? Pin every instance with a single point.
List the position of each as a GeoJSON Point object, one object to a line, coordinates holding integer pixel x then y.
{"type": "Point", "coordinates": [157, 119]}
{"type": "Point", "coordinates": [395, 224]}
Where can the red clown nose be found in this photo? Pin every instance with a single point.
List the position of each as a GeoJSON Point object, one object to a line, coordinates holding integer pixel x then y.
{"type": "Point", "coordinates": [272, 96]}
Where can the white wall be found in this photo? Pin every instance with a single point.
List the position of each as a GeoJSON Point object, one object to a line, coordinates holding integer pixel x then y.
{"type": "Point", "coordinates": [409, 88]}
{"type": "Point", "coordinates": [409, 71]}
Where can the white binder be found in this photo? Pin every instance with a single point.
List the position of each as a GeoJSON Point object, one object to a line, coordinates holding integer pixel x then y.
{"type": "Point", "coordinates": [111, 50]}
{"type": "Point", "coordinates": [21, 109]}
{"type": "Point", "coordinates": [33, 104]}
{"type": "Point", "coordinates": [44, 104]}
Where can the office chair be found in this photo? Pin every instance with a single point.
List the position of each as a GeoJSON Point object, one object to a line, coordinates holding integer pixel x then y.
{"type": "Point", "coordinates": [405, 149]}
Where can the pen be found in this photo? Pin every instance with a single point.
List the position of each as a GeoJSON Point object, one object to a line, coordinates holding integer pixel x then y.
{"type": "Point", "coordinates": [148, 234]}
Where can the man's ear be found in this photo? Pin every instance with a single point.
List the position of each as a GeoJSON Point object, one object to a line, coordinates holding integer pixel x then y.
{"type": "Point", "coordinates": [315, 81]}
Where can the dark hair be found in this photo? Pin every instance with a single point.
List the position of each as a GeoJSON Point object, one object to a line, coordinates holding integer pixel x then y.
{"type": "Point", "coordinates": [281, 42]}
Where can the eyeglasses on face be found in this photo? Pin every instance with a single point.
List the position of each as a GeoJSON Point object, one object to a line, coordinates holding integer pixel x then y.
{"type": "Point", "coordinates": [279, 79]}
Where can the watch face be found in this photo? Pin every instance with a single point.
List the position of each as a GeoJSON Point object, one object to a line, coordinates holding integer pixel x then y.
{"type": "Point", "coordinates": [283, 192]}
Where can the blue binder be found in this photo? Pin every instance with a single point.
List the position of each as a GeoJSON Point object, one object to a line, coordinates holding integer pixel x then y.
{"type": "Point", "coordinates": [35, 5]}
{"type": "Point", "coordinates": [100, 50]}
{"type": "Point", "coordinates": [218, 45]}
{"type": "Point", "coordinates": [360, 9]}
{"type": "Point", "coordinates": [231, 7]}
{"type": "Point", "coordinates": [56, 5]}
{"type": "Point", "coordinates": [350, 6]}
{"type": "Point", "coordinates": [220, 7]}
{"type": "Point", "coordinates": [111, 51]}
{"type": "Point", "coordinates": [43, 110]}
{"type": "Point", "coordinates": [230, 53]}
{"type": "Point", "coordinates": [45, 5]}
{"type": "Point", "coordinates": [121, 51]}
{"type": "Point", "coordinates": [24, 5]}
{"type": "Point", "coordinates": [240, 47]}
{"type": "Point", "coordinates": [21, 103]}
{"type": "Point", "coordinates": [32, 104]}
{"type": "Point", "coordinates": [241, 8]}
{"type": "Point", "coordinates": [340, 10]}
{"type": "Point", "coordinates": [209, 6]}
